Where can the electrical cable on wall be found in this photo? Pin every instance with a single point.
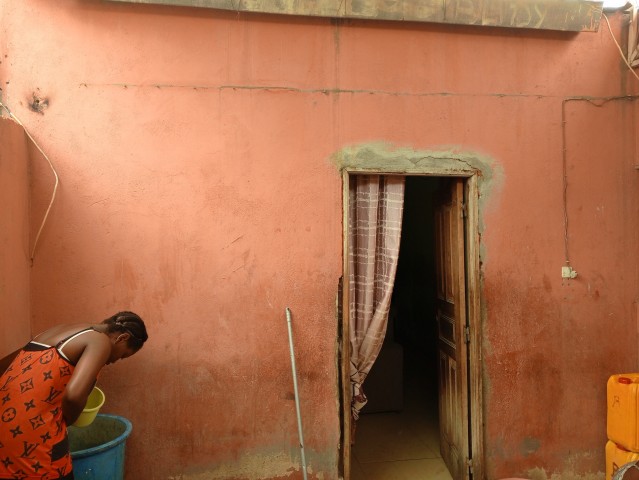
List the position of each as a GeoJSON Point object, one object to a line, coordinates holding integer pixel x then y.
{"type": "Point", "coordinates": [567, 270]}
{"type": "Point", "coordinates": [55, 174]}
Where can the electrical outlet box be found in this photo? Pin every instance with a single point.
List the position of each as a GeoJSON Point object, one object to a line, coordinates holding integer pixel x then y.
{"type": "Point", "coordinates": [568, 272]}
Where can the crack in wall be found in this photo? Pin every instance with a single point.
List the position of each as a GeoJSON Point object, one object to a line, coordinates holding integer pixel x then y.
{"type": "Point", "coordinates": [326, 91]}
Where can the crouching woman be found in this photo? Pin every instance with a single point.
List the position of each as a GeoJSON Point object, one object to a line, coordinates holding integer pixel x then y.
{"type": "Point", "coordinates": [45, 387]}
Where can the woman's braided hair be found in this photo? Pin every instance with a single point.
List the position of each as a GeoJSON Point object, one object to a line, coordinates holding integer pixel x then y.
{"type": "Point", "coordinates": [131, 323]}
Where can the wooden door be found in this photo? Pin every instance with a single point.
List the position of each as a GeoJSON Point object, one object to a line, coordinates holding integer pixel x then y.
{"type": "Point", "coordinates": [451, 320]}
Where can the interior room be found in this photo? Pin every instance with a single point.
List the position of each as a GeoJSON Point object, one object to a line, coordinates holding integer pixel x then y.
{"type": "Point", "coordinates": [397, 435]}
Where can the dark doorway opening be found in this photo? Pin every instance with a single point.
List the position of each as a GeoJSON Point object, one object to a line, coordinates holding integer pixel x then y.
{"type": "Point", "coordinates": [397, 434]}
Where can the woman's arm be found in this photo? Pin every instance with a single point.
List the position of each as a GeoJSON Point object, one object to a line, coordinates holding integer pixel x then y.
{"type": "Point", "coordinates": [6, 361]}
{"type": "Point", "coordinates": [94, 356]}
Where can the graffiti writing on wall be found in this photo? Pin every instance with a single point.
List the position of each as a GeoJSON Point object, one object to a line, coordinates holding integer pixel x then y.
{"type": "Point", "coordinates": [537, 14]}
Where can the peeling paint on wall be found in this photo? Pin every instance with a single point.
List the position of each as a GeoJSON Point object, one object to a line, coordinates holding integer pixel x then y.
{"type": "Point", "coordinates": [573, 463]}
{"type": "Point", "coordinates": [540, 474]}
{"type": "Point", "coordinates": [252, 467]}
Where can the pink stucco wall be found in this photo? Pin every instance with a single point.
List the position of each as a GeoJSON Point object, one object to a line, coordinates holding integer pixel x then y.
{"type": "Point", "coordinates": [198, 188]}
{"type": "Point", "coordinates": [15, 327]}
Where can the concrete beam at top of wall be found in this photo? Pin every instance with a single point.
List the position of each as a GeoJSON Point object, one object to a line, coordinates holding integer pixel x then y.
{"type": "Point", "coordinates": [563, 15]}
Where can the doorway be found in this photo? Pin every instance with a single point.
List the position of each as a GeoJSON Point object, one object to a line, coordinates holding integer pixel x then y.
{"type": "Point", "coordinates": [400, 433]}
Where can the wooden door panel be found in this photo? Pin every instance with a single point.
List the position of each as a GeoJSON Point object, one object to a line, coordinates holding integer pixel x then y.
{"type": "Point", "coordinates": [449, 414]}
{"type": "Point", "coordinates": [451, 319]}
{"type": "Point", "coordinates": [445, 279]}
{"type": "Point", "coordinates": [447, 334]}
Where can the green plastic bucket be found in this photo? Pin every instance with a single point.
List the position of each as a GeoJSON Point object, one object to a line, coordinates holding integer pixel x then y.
{"type": "Point", "coordinates": [97, 451]}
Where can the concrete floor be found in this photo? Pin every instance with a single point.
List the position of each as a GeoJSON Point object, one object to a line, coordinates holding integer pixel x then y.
{"type": "Point", "coordinates": [402, 445]}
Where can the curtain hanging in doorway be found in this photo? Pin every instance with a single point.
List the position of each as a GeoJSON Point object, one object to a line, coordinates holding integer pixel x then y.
{"type": "Point", "coordinates": [633, 37]}
{"type": "Point", "coordinates": [376, 204]}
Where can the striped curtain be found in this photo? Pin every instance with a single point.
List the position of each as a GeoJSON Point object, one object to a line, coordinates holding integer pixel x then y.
{"type": "Point", "coordinates": [633, 38]}
{"type": "Point", "coordinates": [376, 205]}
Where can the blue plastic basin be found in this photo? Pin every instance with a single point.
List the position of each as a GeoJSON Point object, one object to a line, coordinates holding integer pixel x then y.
{"type": "Point", "coordinates": [97, 451]}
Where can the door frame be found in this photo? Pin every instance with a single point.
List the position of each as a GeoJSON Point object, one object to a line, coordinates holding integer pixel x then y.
{"type": "Point", "coordinates": [450, 167]}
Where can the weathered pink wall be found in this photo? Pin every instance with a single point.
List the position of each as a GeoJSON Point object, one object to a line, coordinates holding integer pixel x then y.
{"type": "Point", "coordinates": [15, 327]}
{"type": "Point", "coordinates": [198, 187]}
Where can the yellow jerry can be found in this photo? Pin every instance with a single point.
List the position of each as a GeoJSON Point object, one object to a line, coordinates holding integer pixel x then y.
{"type": "Point", "coordinates": [616, 457]}
{"type": "Point", "coordinates": [623, 410]}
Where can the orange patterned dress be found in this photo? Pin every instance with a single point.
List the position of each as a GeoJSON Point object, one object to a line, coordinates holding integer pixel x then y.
{"type": "Point", "coordinates": [33, 432]}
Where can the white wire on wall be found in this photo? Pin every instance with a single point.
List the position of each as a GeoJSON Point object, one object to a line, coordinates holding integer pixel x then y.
{"type": "Point", "coordinates": [55, 174]}
{"type": "Point", "coordinates": [632, 43]}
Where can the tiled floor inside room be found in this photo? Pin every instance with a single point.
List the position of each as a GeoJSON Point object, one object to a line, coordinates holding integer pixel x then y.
{"type": "Point", "coordinates": [400, 445]}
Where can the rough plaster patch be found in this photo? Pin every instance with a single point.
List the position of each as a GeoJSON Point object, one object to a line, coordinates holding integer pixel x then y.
{"type": "Point", "coordinates": [540, 474]}
{"type": "Point", "coordinates": [381, 157]}
{"type": "Point", "coordinates": [252, 467]}
{"type": "Point", "coordinates": [571, 464]}
{"type": "Point", "coordinates": [385, 158]}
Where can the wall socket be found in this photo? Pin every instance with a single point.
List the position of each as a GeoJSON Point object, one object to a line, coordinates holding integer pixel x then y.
{"type": "Point", "coordinates": [568, 272]}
